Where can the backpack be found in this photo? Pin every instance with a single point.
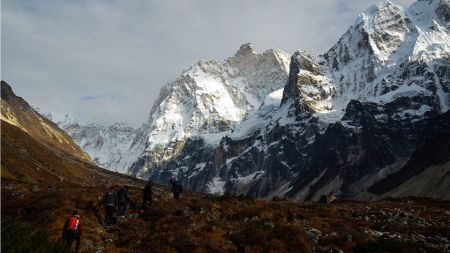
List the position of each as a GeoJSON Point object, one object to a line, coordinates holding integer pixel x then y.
{"type": "Point", "coordinates": [74, 223]}
{"type": "Point", "coordinates": [122, 195]}
{"type": "Point", "coordinates": [110, 199]}
{"type": "Point", "coordinates": [177, 186]}
{"type": "Point", "coordinates": [147, 193]}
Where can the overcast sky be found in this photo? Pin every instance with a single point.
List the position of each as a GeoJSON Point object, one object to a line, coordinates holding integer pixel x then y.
{"type": "Point", "coordinates": [105, 61]}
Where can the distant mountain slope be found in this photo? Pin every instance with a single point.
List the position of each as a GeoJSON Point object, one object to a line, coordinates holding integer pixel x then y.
{"type": "Point", "coordinates": [19, 113]}
{"type": "Point", "coordinates": [114, 147]}
{"type": "Point", "coordinates": [34, 151]}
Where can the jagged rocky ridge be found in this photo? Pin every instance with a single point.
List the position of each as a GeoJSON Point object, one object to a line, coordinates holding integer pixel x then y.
{"type": "Point", "coordinates": [113, 147]}
{"type": "Point", "coordinates": [345, 120]}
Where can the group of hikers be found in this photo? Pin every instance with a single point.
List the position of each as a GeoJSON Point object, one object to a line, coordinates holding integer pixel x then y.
{"type": "Point", "coordinates": [114, 201]}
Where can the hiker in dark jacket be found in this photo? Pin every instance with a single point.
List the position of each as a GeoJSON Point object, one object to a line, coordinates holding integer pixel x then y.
{"type": "Point", "coordinates": [73, 228]}
{"type": "Point", "coordinates": [147, 195]}
{"type": "Point", "coordinates": [124, 201]}
{"type": "Point", "coordinates": [176, 189]}
{"type": "Point", "coordinates": [110, 203]}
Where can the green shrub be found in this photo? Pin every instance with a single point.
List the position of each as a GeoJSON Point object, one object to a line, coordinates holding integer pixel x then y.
{"type": "Point", "coordinates": [19, 237]}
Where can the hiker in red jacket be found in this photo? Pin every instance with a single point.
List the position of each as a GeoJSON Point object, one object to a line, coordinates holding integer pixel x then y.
{"type": "Point", "coordinates": [73, 228]}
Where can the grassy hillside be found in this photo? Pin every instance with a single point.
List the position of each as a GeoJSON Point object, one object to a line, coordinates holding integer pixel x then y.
{"type": "Point", "coordinates": [41, 186]}
{"type": "Point", "coordinates": [205, 223]}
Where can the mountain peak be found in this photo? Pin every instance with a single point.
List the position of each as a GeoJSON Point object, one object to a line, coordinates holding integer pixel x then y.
{"type": "Point", "coordinates": [67, 119]}
{"type": "Point", "coordinates": [383, 4]}
{"type": "Point", "coordinates": [6, 89]}
{"type": "Point", "coordinates": [380, 9]}
{"type": "Point", "coordinates": [300, 60]}
{"type": "Point", "coordinates": [245, 50]}
{"type": "Point", "coordinates": [209, 99]}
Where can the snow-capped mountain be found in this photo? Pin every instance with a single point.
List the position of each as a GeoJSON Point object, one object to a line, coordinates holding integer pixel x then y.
{"type": "Point", "coordinates": [386, 46]}
{"type": "Point", "coordinates": [113, 147]}
{"type": "Point", "coordinates": [208, 100]}
{"type": "Point", "coordinates": [344, 121]}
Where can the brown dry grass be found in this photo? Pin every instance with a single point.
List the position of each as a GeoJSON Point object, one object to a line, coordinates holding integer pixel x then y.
{"type": "Point", "coordinates": [196, 222]}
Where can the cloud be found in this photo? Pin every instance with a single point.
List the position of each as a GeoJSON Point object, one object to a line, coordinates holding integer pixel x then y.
{"type": "Point", "coordinates": [78, 57]}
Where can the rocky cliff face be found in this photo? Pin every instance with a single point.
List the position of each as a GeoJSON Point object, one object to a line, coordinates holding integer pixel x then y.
{"type": "Point", "coordinates": [114, 147]}
{"type": "Point", "coordinates": [344, 121]}
{"type": "Point", "coordinates": [17, 112]}
{"type": "Point", "coordinates": [427, 171]}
